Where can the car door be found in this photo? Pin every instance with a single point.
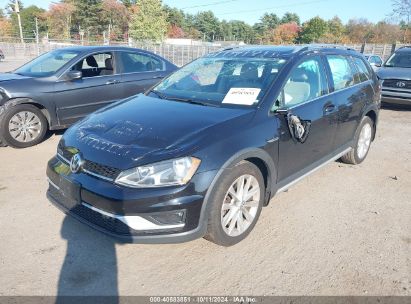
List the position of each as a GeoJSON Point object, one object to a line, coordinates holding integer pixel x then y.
{"type": "Point", "coordinates": [350, 93]}
{"type": "Point", "coordinates": [140, 71]}
{"type": "Point", "coordinates": [305, 97]}
{"type": "Point", "coordinates": [98, 86]}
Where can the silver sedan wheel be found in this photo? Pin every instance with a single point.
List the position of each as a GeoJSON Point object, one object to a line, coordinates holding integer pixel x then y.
{"type": "Point", "coordinates": [240, 205]}
{"type": "Point", "coordinates": [364, 141]}
{"type": "Point", "coordinates": [25, 126]}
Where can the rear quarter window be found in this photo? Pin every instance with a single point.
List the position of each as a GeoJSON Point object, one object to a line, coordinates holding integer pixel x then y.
{"type": "Point", "coordinates": [362, 73]}
{"type": "Point", "coordinates": [342, 74]}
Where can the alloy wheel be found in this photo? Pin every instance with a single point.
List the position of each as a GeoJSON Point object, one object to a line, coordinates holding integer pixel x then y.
{"type": "Point", "coordinates": [240, 205]}
{"type": "Point", "coordinates": [364, 141]}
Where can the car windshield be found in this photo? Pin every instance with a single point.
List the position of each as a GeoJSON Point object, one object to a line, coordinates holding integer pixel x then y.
{"type": "Point", "coordinates": [221, 81]}
{"type": "Point", "coordinates": [399, 60]}
{"type": "Point", "coordinates": [46, 64]}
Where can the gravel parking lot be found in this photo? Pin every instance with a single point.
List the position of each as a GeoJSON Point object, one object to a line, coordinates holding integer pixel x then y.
{"type": "Point", "coordinates": [346, 230]}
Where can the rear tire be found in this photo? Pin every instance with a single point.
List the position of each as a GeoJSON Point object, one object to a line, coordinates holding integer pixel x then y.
{"type": "Point", "coordinates": [235, 204]}
{"type": "Point", "coordinates": [362, 140]}
{"type": "Point", "coordinates": [23, 126]}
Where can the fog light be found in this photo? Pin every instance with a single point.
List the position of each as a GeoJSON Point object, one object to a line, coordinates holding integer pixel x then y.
{"type": "Point", "coordinates": [168, 217]}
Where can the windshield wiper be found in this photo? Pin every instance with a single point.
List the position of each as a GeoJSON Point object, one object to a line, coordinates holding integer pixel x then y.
{"type": "Point", "coordinates": [159, 94]}
{"type": "Point", "coordinates": [192, 101]}
{"type": "Point", "coordinates": [181, 99]}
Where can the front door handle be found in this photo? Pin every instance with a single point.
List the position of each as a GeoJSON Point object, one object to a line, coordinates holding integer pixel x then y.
{"type": "Point", "coordinates": [113, 81]}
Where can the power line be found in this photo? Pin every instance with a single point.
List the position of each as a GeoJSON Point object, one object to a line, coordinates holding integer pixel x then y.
{"type": "Point", "coordinates": [210, 4]}
{"type": "Point", "coordinates": [273, 7]}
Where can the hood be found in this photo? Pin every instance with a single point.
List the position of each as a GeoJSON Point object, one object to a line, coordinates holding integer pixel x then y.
{"type": "Point", "coordinates": [394, 73]}
{"type": "Point", "coordinates": [11, 76]}
{"type": "Point", "coordinates": [145, 129]}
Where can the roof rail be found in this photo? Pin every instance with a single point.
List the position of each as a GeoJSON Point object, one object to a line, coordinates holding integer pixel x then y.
{"type": "Point", "coordinates": [404, 47]}
{"type": "Point", "coordinates": [330, 46]}
{"type": "Point", "coordinates": [228, 48]}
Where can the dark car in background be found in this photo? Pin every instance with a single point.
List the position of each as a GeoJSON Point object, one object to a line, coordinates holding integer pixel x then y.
{"type": "Point", "coordinates": [395, 77]}
{"type": "Point", "coordinates": [1, 55]}
{"type": "Point", "coordinates": [58, 88]}
{"type": "Point", "coordinates": [202, 152]}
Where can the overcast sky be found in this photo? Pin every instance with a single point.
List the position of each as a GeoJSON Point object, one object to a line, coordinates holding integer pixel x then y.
{"type": "Point", "coordinates": [251, 10]}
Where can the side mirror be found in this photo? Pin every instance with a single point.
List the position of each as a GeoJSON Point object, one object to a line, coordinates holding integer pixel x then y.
{"type": "Point", "coordinates": [74, 75]}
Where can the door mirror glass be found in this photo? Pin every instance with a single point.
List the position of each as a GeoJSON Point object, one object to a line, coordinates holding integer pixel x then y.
{"type": "Point", "coordinates": [74, 75]}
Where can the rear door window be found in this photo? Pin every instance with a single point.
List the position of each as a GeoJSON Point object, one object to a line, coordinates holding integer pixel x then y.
{"type": "Point", "coordinates": [342, 75]}
{"type": "Point", "coordinates": [137, 62]}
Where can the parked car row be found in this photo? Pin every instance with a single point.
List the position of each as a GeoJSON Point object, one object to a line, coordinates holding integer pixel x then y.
{"type": "Point", "coordinates": [200, 153]}
{"type": "Point", "coordinates": [206, 146]}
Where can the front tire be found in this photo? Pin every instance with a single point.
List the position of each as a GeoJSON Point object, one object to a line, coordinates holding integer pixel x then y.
{"type": "Point", "coordinates": [23, 126]}
{"type": "Point", "coordinates": [363, 139]}
{"type": "Point", "coordinates": [236, 203]}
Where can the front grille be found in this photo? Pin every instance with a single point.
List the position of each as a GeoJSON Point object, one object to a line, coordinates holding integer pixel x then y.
{"type": "Point", "coordinates": [101, 170]}
{"type": "Point", "coordinates": [394, 83]}
{"type": "Point", "coordinates": [90, 166]}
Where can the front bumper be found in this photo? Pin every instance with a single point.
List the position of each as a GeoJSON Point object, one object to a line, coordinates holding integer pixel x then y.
{"type": "Point", "coordinates": [130, 215]}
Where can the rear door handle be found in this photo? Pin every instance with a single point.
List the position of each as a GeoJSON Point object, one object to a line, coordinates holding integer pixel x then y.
{"type": "Point", "coordinates": [113, 81]}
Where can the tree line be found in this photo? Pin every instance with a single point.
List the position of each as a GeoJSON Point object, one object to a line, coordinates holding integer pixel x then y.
{"type": "Point", "coordinates": [151, 20]}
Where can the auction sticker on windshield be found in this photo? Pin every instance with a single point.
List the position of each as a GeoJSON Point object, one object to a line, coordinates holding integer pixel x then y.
{"type": "Point", "coordinates": [242, 96]}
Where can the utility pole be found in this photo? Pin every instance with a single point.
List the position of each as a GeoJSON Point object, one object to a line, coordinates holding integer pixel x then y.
{"type": "Point", "coordinates": [37, 37]}
{"type": "Point", "coordinates": [17, 10]}
{"type": "Point", "coordinates": [109, 33]}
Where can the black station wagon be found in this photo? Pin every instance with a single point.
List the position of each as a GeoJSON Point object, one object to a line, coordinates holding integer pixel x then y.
{"type": "Point", "coordinates": [203, 151]}
{"type": "Point", "coordinates": [58, 88]}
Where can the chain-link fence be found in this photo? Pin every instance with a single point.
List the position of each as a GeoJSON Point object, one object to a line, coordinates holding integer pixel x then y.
{"type": "Point", "coordinates": [178, 54]}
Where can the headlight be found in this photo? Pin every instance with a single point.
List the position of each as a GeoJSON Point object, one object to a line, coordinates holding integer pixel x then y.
{"type": "Point", "coordinates": [166, 173]}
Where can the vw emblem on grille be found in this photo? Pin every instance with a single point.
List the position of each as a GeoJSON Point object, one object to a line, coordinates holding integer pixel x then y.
{"type": "Point", "coordinates": [400, 84]}
{"type": "Point", "coordinates": [76, 163]}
